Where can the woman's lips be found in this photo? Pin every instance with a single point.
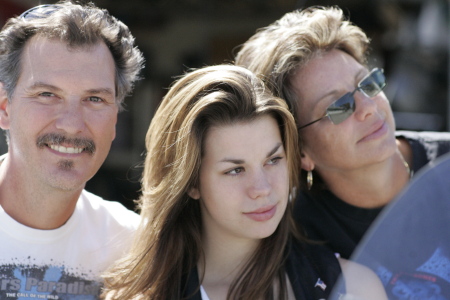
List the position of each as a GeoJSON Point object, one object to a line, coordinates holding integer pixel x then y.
{"type": "Point", "coordinates": [263, 214]}
{"type": "Point", "coordinates": [376, 131]}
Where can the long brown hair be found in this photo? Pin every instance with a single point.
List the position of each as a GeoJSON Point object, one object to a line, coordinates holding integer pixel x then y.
{"type": "Point", "coordinates": [168, 244]}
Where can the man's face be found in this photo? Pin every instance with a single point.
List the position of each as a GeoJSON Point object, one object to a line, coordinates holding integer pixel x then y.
{"type": "Point", "coordinates": [61, 118]}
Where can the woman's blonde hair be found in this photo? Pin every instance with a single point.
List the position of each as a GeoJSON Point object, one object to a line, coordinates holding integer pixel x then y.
{"type": "Point", "coordinates": [278, 50]}
{"type": "Point", "coordinates": [168, 244]}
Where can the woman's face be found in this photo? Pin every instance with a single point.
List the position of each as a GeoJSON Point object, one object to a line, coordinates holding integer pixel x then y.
{"type": "Point", "coordinates": [244, 181]}
{"type": "Point", "coordinates": [365, 137]}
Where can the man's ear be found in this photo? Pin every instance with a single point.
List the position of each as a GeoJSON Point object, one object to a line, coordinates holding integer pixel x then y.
{"type": "Point", "coordinates": [194, 193]}
{"type": "Point", "coordinates": [4, 108]}
{"type": "Point", "coordinates": [307, 163]}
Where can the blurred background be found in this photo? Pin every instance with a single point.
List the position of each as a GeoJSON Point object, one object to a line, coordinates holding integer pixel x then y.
{"type": "Point", "coordinates": [410, 40]}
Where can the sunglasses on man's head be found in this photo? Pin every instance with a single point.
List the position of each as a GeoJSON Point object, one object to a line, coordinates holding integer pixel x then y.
{"type": "Point", "coordinates": [40, 11]}
{"type": "Point", "coordinates": [341, 109]}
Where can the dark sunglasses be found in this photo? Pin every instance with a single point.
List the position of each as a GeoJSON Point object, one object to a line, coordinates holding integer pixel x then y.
{"type": "Point", "coordinates": [343, 108]}
{"type": "Point", "coordinates": [40, 11]}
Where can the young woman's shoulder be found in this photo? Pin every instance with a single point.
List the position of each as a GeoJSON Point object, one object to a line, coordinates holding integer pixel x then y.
{"type": "Point", "coordinates": [361, 282]}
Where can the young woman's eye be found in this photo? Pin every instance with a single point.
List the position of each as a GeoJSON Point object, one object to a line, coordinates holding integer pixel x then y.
{"type": "Point", "coordinates": [275, 160]}
{"type": "Point", "coordinates": [235, 171]}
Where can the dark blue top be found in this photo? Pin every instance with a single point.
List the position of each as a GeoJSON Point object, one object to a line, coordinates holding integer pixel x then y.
{"type": "Point", "coordinates": [325, 217]}
{"type": "Point", "coordinates": [312, 271]}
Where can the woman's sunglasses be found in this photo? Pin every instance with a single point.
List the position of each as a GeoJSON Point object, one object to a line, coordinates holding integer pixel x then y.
{"type": "Point", "coordinates": [343, 108]}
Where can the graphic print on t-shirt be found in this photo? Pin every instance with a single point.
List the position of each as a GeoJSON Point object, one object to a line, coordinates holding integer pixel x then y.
{"type": "Point", "coordinates": [46, 282]}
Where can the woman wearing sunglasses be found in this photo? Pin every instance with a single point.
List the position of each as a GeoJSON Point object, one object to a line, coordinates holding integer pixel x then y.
{"type": "Point", "coordinates": [354, 162]}
{"type": "Point", "coordinates": [221, 162]}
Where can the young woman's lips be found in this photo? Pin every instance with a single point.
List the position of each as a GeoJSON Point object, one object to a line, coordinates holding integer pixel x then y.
{"type": "Point", "coordinates": [263, 214]}
{"type": "Point", "coordinates": [376, 131]}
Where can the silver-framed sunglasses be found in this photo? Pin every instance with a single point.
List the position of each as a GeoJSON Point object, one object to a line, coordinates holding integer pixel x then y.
{"type": "Point", "coordinates": [339, 111]}
{"type": "Point", "coordinates": [40, 11]}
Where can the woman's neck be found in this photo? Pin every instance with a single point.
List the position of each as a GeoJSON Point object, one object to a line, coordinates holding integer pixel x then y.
{"type": "Point", "coordinates": [222, 263]}
{"type": "Point", "coordinates": [375, 185]}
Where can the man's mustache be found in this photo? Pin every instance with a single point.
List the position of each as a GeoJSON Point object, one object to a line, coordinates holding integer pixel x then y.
{"type": "Point", "coordinates": [48, 139]}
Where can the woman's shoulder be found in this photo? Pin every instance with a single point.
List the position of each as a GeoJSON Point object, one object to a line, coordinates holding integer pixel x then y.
{"type": "Point", "coordinates": [361, 282]}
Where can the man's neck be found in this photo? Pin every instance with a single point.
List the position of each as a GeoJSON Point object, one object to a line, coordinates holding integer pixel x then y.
{"type": "Point", "coordinates": [33, 205]}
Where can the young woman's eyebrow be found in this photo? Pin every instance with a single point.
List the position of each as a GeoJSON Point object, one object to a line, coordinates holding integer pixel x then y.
{"type": "Point", "coordinates": [241, 161]}
{"type": "Point", "coordinates": [274, 150]}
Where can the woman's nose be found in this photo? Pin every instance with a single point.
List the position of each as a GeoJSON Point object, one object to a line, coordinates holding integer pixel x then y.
{"type": "Point", "coordinates": [259, 185]}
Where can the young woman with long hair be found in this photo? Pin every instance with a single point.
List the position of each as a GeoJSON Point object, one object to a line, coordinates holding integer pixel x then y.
{"type": "Point", "coordinates": [218, 180]}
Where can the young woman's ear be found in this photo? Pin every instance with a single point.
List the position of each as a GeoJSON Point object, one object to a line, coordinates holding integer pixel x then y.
{"type": "Point", "coordinates": [4, 112]}
{"type": "Point", "coordinates": [194, 193]}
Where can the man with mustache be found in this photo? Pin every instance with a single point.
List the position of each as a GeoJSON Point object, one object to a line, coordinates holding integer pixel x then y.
{"type": "Point", "coordinates": [65, 69]}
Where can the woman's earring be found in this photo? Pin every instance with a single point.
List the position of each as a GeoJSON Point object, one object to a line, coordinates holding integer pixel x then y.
{"type": "Point", "coordinates": [309, 180]}
{"type": "Point", "coordinates": [292, 194]}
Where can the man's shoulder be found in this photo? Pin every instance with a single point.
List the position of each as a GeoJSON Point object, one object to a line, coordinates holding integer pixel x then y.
{"type": "Point", "coordinates": [110, 213]}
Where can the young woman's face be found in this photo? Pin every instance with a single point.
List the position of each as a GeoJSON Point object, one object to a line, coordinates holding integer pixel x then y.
{"type": "Point", "coordinates": [366, 137]}
{"type": "Point", "coordinates": [244, 181]}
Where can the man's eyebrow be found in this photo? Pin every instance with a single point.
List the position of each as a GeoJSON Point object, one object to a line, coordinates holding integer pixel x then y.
{"type": "Point", "coordinates": [101, 91]}
{"type": "Point", "coordinates": [241, 161]}
{"type": "Point", "coordinates": [40, 84]}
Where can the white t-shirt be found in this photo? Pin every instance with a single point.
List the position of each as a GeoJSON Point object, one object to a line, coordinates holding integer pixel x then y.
{"type": "Point", "coordinates": [64, 263]}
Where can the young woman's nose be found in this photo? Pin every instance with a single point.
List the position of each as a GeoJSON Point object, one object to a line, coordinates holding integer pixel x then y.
{"type": "Point", "coordinates": [259, 185]}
